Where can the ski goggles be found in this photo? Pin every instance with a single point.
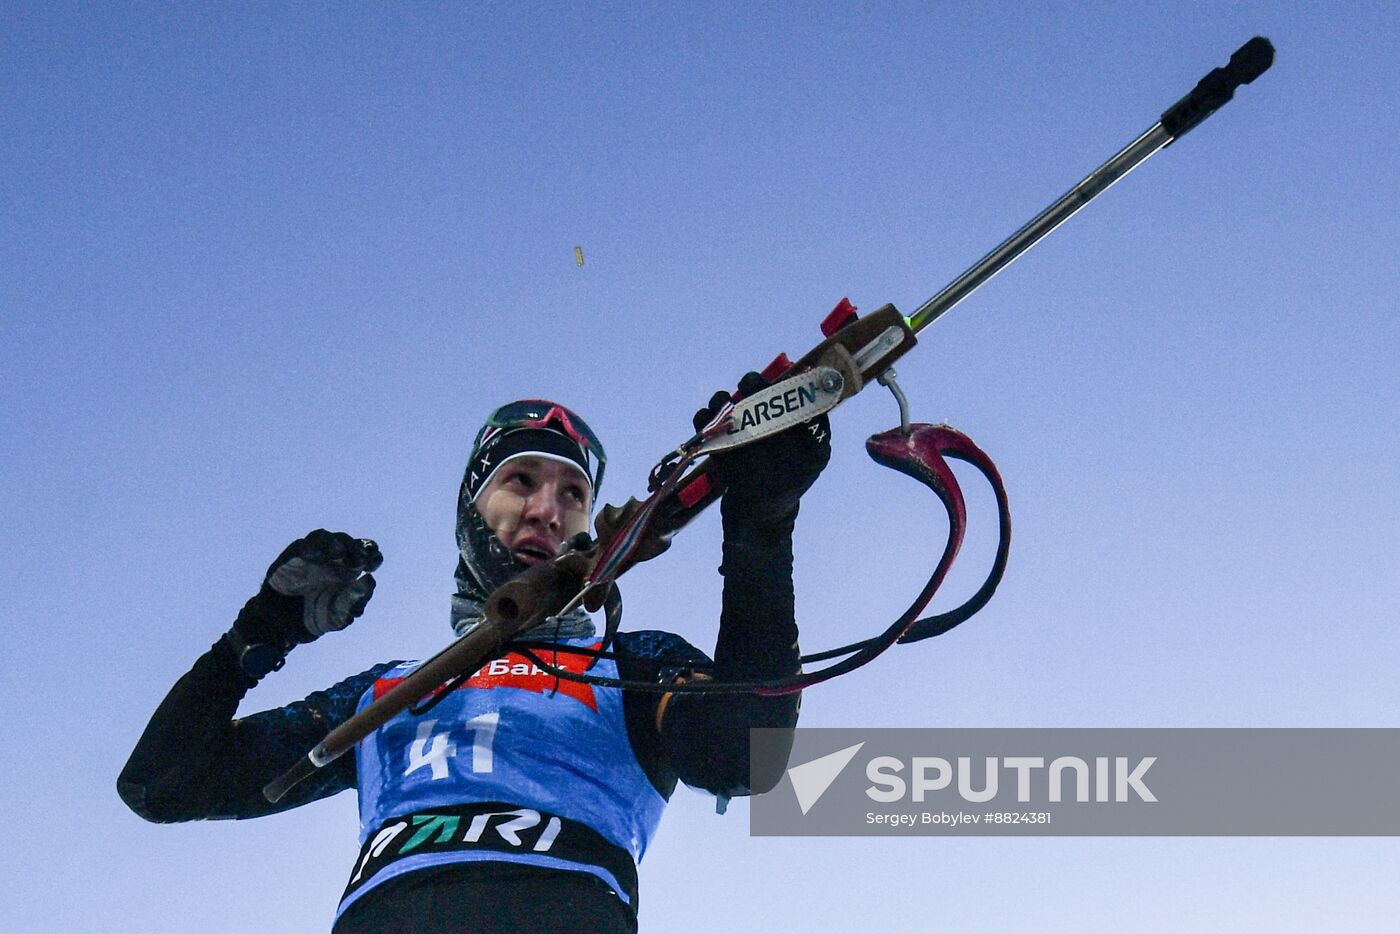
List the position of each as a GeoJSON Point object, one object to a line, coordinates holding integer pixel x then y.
{"type": "Point", "coordinates": [550, 416]}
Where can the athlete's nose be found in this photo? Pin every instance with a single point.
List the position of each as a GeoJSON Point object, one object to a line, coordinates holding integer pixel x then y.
{"type": "Point", "coordinates": [542, 507]}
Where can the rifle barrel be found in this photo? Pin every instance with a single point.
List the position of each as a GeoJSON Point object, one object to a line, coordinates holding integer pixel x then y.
{"type": "Point", "coordinates": [1069, 204]}
{"type": "Point", "coordinates": [1210, 94]}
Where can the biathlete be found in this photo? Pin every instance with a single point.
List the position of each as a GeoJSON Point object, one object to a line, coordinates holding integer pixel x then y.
{"type": "Point", "coordinates": [516, 802]}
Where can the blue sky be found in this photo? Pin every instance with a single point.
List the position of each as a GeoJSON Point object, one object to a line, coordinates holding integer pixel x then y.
{"type": "Point", "coordinates": [265, 270]}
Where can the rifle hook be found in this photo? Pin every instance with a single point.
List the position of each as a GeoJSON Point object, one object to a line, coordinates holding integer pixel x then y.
{"type": "Point", "coordinates": [887, 379]}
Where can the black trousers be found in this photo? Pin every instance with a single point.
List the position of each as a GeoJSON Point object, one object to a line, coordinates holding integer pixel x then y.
{"type": "Point", "coordinates": [486, 898]}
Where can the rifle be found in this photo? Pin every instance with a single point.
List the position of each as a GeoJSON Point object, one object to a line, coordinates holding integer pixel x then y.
{"type": "Point", "coordinates": [856, 351]}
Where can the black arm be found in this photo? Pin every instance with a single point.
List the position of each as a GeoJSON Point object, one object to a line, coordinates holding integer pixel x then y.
{"type": "Point", "coordinates": [195, 761]}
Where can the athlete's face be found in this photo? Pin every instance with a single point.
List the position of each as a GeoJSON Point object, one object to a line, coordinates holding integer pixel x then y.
{"type": "Point", "coordinates": [534, 505]}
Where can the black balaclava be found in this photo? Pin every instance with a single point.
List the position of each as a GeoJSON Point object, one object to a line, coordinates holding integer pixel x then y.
{"type": "Point", "coordinates": [484, 563]}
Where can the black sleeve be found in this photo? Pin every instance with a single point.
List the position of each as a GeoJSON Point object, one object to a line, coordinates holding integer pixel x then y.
{"type": "Point", "coordinates": [655, 657]}
{"type": "Point", "coordinates": [704, 738]}
{"type": "Point", "coordinates": [196, 762]}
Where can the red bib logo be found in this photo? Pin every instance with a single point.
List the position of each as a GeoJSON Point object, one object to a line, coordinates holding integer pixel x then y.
{"type": "Point", "coordinates": [516, 671]}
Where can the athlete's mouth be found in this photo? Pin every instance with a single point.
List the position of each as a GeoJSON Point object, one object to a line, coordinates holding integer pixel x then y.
{"type": "Point", "coordinates": [533, 551]}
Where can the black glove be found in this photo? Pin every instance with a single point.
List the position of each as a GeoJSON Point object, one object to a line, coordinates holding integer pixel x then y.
{"type": "Point", "coordinates": [317, 584]}
{"type": "Point", "coordinates": [765, 480]}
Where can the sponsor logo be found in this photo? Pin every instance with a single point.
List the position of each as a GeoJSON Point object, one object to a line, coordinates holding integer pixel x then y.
{"type": "Point", "coordinates": [442, 830]}
{"type": "Point", "coordinates": [775, 406]}
{"type": "Point", "coordinates": [516, 671]}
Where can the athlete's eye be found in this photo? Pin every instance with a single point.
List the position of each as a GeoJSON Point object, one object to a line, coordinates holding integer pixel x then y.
{"type": "Point", "coordinates": [520, 478]}
{"type": "Point", "coordinates": [576, 493]}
